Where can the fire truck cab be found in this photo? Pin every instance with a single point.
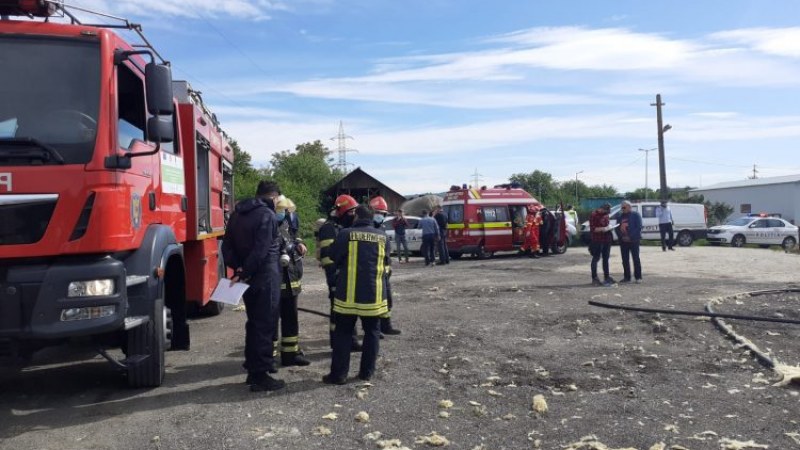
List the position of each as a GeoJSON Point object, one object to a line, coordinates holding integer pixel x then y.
{"type": "Point", "coordinates": [486, 220]}
{"type": "Point", "coordinates": [114, 189]}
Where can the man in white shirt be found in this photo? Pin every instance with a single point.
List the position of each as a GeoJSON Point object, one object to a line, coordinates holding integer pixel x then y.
{"type": "Point", "coordinates": [665, 223]}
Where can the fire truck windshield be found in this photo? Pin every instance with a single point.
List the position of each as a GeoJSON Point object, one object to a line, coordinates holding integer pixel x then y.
{"type": "Point", "coordinates": [49, 100]}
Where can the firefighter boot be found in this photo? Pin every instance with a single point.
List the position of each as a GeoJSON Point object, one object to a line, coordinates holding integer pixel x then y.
{"type": "Point", "coordinates": [386, 327]}
{"type": "Point", "coordinates": [294, 359]}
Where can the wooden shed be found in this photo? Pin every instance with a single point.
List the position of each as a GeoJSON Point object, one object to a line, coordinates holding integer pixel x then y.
{"type": "Point", "coordinates": [363, 186]}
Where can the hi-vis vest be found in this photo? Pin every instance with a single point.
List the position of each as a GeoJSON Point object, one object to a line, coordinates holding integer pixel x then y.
{"type": "Point", "coordinates": [361, 255]}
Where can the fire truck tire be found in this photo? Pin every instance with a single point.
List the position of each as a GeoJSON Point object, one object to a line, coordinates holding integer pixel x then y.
{"type": "Point", "coordinates": [149, 340]}
{"type": "Point", "coordinates": [455, 255]}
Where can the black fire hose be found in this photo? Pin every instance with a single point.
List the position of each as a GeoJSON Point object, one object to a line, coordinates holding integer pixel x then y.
{"type": "Point", "coordinates": [694, 313]}
{"type": "Point", "coordinates": [316, 313]}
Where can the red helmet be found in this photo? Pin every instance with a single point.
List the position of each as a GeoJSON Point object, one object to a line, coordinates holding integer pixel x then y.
{"type": "Point", "coordinates": [343, 204]}
{"type": "Point", "coordinates": [379, 205]}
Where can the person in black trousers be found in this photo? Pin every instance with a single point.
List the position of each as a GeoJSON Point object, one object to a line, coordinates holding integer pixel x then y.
{"type": "Point", "coordinates": [360, 253]}
{"type": "Point", "coordinates": [250, 248]}
{"type": "Point", "coordinates": [441, 221]}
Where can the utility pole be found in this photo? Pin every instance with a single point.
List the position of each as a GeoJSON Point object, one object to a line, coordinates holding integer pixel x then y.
{"type": "Point", "coordinates": [755, 173]}
{"type": "Point", "coordinates": [661, 159]}
{"type": "Point", "coordinates": [576, 187]}
{"type": "Point", "coordinates": [646, 157]}
{"type": "Point", "coordinates": [342, 149]}
{"type": "Point", "coordinates": [476, 179]}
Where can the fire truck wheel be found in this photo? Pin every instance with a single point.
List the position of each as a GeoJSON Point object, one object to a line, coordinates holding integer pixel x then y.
{"type": "Point", "coordinates": [148, 340]}
{"type": "Point", "coordinates": [455, 255]}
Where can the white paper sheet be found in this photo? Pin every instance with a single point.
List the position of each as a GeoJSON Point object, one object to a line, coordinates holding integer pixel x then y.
{"type": "Point", "coordinates": [225, 293]}
{"type": "Point", "coordinates": [608, 228]}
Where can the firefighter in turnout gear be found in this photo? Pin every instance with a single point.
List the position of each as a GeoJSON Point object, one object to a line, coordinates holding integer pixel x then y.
{"type": "Point", "coordinates": [292, 251]}
{"type": "Point", "coordinates": [341, 216]}
{"type": "Point", "coordinates": [381, 209]}
{"type": "Point", "coordinates": [360, 254]}
{"type": "Point", "coordinates": [532, 223]}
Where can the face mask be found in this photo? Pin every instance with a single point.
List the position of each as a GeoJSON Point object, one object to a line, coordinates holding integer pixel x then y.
{"type": "Point", "coordinates": [378, 218]}
{"type": "Point", "coordinates": [280, 216]}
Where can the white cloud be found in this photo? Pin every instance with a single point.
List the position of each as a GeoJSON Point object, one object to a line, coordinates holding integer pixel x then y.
{"type": "Point", "coordinates": [772, 41]}
{"type": "Point", "coordinates": [240, 9]}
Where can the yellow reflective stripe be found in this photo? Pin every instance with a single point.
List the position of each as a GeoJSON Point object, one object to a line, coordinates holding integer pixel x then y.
{"type": "Point", "coordinates": [326, 261]}
{"type": "Point", "coordinates": [294, 284]}
{"type": "Point", "coordinates": [290, 348]}
{"type": "Point", "coordinates": [490, 225]}
{"type": "Point", "coordinates": [325, 243]}
{"type": "Point", "coordinates": [352, 268]}
{"type": "Point", "coordinates": [388, 315]}
{"type": "Point", "coordinates": [290, 340]}
{"type": "Point", "coordinates": [360, 309]}
{"type": "Point", "coordinates": [455, 226]}
{"type": "Point", "coordinates": [380, 273]}
{"type": "Point", "coordinates": [475, 193]}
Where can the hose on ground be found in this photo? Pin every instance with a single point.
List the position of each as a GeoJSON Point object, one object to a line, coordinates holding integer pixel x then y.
{"type": "Point", "coordinates": [694, 313]}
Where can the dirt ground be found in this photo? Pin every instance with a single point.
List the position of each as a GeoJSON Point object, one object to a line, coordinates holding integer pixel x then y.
{"type": "Point", "coordinates": [481, 339]}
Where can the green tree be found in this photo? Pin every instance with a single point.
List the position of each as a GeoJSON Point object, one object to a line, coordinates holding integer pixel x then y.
{"type": "Point", "coordinates": [718, 212]}
{"type": "Point", "coordinates": [538, 183]}
{"type": "Point", "coordinates": [303, 175]}
{"type": "Point", "coordinates": [245, 176]}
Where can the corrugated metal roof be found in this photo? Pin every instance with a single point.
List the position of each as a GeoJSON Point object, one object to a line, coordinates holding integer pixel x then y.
{"type": "Point", "coordinates": [751, 182]}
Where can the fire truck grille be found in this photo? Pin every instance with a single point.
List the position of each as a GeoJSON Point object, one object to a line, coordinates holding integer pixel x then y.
{"type": "Point", "coordinates": [24, 223]}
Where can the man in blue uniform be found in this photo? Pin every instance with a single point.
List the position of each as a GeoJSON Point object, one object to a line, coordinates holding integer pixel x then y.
{"type": "Point", "coordinates": [250, 248]}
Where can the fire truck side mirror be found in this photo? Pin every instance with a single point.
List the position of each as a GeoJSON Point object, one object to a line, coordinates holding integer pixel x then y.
{"type": "Point", "coordinates": [159, 129]}
{"type": "Point", "coordinates": [158, 78]}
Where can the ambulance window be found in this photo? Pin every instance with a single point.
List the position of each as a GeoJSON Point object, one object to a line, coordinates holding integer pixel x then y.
{"type": "Point", "coordinates": [489, 214]}
{"type": "Point", "coordinates": [131, 111]}
{"type": "Point", "coordinates": [501, 214]}
{"type": "Point", "coordinates": [455, 213]}
{"type": "Point", "coordinates": [648, 211]}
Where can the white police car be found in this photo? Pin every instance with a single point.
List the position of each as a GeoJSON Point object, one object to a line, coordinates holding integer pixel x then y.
{"type": "Point", "coordinates": [761, 230]}
{"type": "Point", "coordinates": [413, 233]}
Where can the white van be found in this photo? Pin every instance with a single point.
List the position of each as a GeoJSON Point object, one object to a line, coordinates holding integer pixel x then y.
{"type": "Point", "coordinates": [690, 221]}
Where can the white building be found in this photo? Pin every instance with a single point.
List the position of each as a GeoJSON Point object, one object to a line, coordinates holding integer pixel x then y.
{"type": "Point", "coordinates": [779, 195]}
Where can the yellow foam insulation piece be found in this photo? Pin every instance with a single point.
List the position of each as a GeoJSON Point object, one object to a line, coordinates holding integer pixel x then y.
{"type": "Point", "coordinates": [659, 446]}
{"type": "Point", "coordinates": [730, 444]}
{"type": "Point", "coordinates": [362, 417]}
{"type": "Point", "coordinates": [591, 443]}
{"type": "Point", "coordinates": [391, 444]}
{"type": "Point", "coordinates": [788, 373]}
{"type": "Point", "coordinates": [433, 439]}
{"type": "Point", "coordinates": [539, 404]}
{"type": "Point", "coordinates": [321, 430]}
{"type": "Point", "coordinates": [445, 404]}
{"type": "Point", "coordinates": [794, 436]}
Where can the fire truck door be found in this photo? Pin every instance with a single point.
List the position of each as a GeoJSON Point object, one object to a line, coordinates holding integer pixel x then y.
{"type": "Point", "coordinates": [518, 217]}
{"type": "Point", "coordinates": [203, 186]}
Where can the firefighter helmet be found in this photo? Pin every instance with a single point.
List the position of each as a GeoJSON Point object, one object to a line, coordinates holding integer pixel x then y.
{"type": "Point", "coordinates": [343, 204]}
{"type": "Point", "coordinates": [379, 205]}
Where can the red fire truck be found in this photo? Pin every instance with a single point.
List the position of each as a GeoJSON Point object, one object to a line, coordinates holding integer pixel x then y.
{"type": "Point", "coordinates": [487, 220]}
{"type": "Point", "coordinates": [114, 187]}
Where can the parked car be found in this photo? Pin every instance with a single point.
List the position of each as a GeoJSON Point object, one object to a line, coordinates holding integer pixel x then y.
{"type": "Point", "coordinates": [764, 231]}
{"type": "Point", "coordinates": [690, 222]}
{"type": "Point", "coordinates": [413, 234]}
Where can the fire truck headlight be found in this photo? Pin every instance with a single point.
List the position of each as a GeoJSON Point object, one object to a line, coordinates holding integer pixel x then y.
{"type": "Point", "coordinates": [91, 288]}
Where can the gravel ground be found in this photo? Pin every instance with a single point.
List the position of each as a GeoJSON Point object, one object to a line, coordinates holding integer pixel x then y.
{"type": "Point", "coordinates": [486, 335]}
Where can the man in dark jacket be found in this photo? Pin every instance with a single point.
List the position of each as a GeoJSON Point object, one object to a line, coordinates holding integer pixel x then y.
{"type": "Point", "coordinates": [250, 248]}
{"type": "Point", "coordinates": [441, 221]}
{"type": "Point", "coordinates": [630, 233]}
{"type": "Point", "coordinates": [600, 247]}
{"type": "Point", "coordinates": [360, 254]}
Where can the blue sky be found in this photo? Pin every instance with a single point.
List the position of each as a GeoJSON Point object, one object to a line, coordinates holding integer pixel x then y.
{"type": "Point", "coordinates": [433, 90]}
